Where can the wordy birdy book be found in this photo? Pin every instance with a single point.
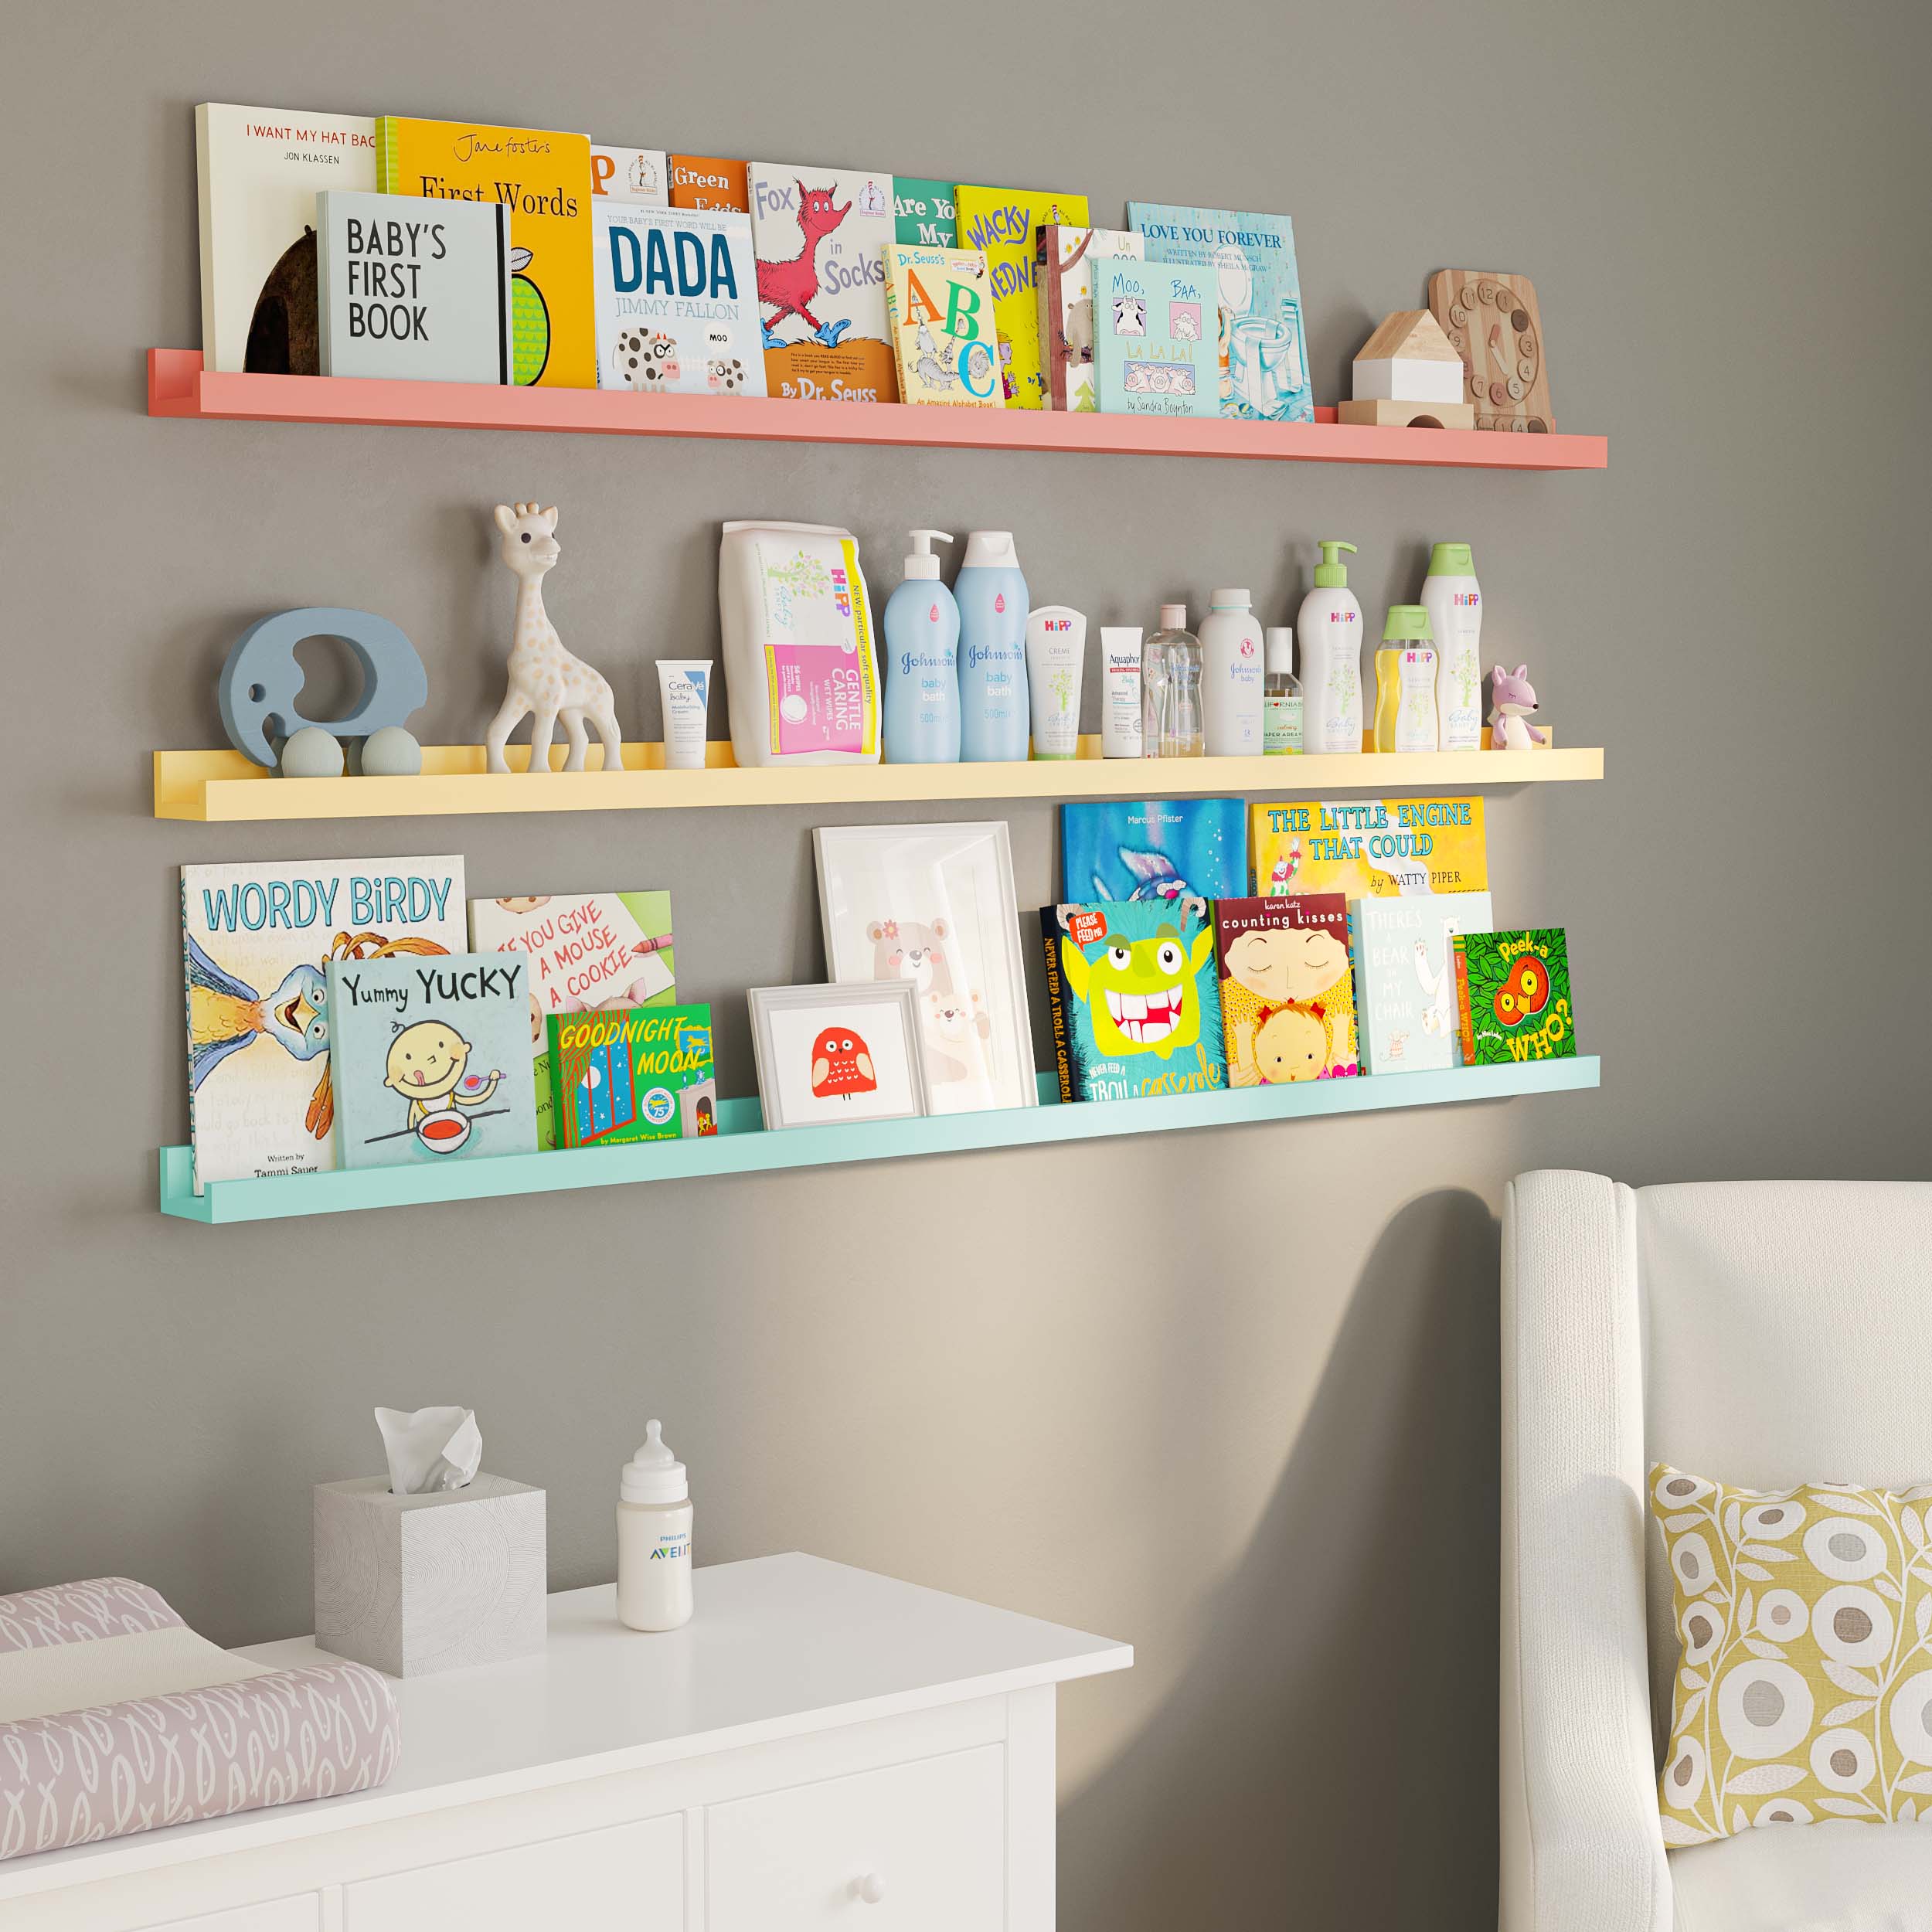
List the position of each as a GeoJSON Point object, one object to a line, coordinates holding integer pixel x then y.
{"type": "Point", "coordinates": [257, 942]}
{"type": "Point", "coordinates": [677, 301]}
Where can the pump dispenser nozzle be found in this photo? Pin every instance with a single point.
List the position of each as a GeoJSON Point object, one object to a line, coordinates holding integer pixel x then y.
{"type": "Point", "coordinates": [922, 562]}
{"type": "Point", "coordinates": [1331, 574]}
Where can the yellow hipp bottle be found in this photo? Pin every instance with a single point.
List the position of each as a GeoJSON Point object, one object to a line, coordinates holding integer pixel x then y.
{"type": "Point", "coordinates": [1406, 682]}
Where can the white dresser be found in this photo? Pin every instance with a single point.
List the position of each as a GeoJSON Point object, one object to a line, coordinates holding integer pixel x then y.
{"type": "Point", "coordinates": [818, 1748]}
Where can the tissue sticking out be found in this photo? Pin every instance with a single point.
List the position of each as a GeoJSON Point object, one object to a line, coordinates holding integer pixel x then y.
{"type": "Point", "coordinates": [430, 1450]}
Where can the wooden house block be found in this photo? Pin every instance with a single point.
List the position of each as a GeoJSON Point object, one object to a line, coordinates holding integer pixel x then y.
{"type": "Point", "coordinates": [1409, 360]}
{"type": "Point", "coordinates": [1385, 414]}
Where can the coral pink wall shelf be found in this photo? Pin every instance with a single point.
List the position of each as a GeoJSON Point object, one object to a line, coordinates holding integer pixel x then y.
{"type": "Point", "coordinates": [178, 385]}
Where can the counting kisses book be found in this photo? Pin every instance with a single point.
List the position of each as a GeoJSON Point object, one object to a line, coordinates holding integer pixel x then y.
{"type": "Point", "coordinates": [939, 309]}
{"type": "Point", "coordinates": [428, 1059]}
{"type": "Point", "coordinates": [1287, 992]}
{"type": "Point", "coordinates": [677, 301]}
{"type": "Point", "coordinates": [256, 941]}
{"type": "Point", "coordinates": [1001, 222]}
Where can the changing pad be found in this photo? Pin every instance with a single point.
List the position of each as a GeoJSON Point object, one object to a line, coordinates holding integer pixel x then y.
{"type": "Point", "coordinates": [116, 1717]}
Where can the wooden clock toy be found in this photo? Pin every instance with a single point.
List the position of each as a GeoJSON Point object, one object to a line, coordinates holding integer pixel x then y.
{"type": "Point", "coordinates": [1493, 323]}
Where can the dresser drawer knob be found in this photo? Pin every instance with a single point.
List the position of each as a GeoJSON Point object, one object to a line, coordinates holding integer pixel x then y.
{"type": "Point", "coordinates": [868, 1886]}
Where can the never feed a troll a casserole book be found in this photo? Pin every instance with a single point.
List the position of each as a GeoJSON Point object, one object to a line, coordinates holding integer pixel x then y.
{"type": "Point", "coordinates": [1135, 1008]}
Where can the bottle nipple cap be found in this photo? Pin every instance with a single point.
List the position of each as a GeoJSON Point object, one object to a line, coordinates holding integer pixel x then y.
{"type": "Point", "coordinates": [654, 1474]}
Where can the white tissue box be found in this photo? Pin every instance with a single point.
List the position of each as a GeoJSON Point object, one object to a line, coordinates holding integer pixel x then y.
{"type": "Point", "coordinates": [412, 1584]}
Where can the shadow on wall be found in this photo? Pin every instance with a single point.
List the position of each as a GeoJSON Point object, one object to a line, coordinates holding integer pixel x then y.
{"type": "Point", "coordinates": [1350, 1657]}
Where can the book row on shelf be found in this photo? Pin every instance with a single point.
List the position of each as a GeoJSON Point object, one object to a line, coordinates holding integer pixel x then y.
{"type": "Point", "coordinates": [356, 1014]}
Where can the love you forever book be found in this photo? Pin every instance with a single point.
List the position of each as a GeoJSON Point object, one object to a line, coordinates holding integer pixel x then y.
{"type": "Point", "coordinates": [1370, 848]}
{"type": "Point", "coordinates": [677, 301]}
{"type": "Point", "coordinates": [1001, 222]}
{"type": "Point", "coordinates": [1405, 975]}
{"type": "Point", "coordinates": [939, 309]}
{"type": "Point", "coordinates": [1286, 988]}
{"type": "Point", "coordinates": [257, 942]}
{"type": "Point", "coordinates": [821, 236]}
{"type": "Point", "coordinates": [1153, 340]}
{"type": "Point", "coordinates": [429, 1058]}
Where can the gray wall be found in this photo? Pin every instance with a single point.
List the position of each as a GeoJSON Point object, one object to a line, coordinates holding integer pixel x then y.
{"type": "Point", "coordinates": [1230, 1396]}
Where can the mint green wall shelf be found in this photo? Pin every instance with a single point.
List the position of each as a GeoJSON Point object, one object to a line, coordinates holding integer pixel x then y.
{"type": "Point", "coordinates": [742, 1146]}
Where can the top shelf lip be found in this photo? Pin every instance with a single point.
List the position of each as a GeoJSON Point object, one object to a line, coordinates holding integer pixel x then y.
{"type": "Point", "coordinates": [178, 385]}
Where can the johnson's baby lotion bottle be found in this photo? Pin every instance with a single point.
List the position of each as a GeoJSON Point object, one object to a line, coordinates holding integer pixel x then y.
{"type": "Point", "coordinates": [922, 668]}
{"type": "Point", "coordinates": [1330, 628]}
{"type": "Point", "coordinates": [654, 1538]}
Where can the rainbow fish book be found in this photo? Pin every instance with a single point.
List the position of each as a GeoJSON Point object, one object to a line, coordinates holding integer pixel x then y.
{"type": "Point", "coordinates": [1002, 223]}
{"type": "Point", "coordinates": [1513, 997]}
{"type": "Point", "coordinates": [257, 942]}
{"type": "Point", "coordinates": [1261, 356]}
{"type": "Point", "coordinates": [1287, 990]}
{"type": "Point", "coordinates": [1405, 975]}
{"type": "Point", "coordinates": [1153, 339]}
{"type": "Point", "coordinates": [939, 309]}
{"type": "Point", "coordinates": [427, 1056]}
{"type": "Point", "coordinates": [1369, 848]}
{"type": "Point", "coordinates": [641, 1075]}
{"type": "Point", "coordinates": [1132, 992]}
{"type": "Point", "coordinates": [677, 301]}
{"type": "Point", "coordinates": [820, 234]}
{"type": "Point", "coordinates": [588, 951]}
{"type": "Point", "coordinates": [1154, 848]}
{"type": "Point", "coordinates": [924, 212]}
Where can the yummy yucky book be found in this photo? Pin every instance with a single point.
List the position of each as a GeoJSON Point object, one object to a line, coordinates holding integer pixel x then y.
{"type": "Point", "coordinates": [1369, 848]}
{"type": "Point", "coordinates": [1153, 339]}
{"type": "Point", "coordinates": [428, 1059]}
{"type": "Point", "coordinates": [924, 212]}
{"type": "Point", "coordinates": [1286, 988]}
{"type": "Point", "coordinates": [1002, 223]}
{"type": "Point", "coordinates": [1063, 273]}
{"type": "Point", "coordinates": [258, 170]}
{"type": "Point", "coordinates": [1405, 975]}
{"type": "Point", "coordinates": [407, 291]}
{"type": "Point", "coordinates": [1513, 992]}
{"type": "Point", "coordinates": [820, 234]}
{"type": "Point", "coordinates": [638, 175]}
{"type": "Point", "coordinates": [587, 952]}
{"type": "Point", "coordinates": [677, 301]}
{"type": "Point", "coordinates": [1154, 848]}
{"type": "Point", "coordinates": [939, 311]}
{"type": "Point", "coordinates": [543, 177]}
{"type": "Point", "coordinates": [708, 181]}
{"type": "Point", "coordinates": [1131, 988]}
{"type": "Point", "coordinates": [1261, 356]}
{"type": "Point", "coordinates": [256, 941]}
{"type": "Point", "coordinates": [643, 1074]}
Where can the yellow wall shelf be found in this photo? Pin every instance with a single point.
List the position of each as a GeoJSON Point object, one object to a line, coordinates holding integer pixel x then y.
{"type": "Point", "coordinates": [223, 786]}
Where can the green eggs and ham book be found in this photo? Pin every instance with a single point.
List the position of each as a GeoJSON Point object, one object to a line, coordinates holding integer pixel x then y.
{"type": "Point", "coordinates": [1513, 992]}
{"type": "Point", "coordinates": [1153, 339]}
{"type": "Point", "coordinates": [1131, 988]}
{"type": "Point", "coordinates": [677, 301]}
{"type": "Point", "coordinates": [257, 942]}
{"type": "Point", "coordinates": [1261, 357]}
{"type": "Point", "coordinates": [419, 290]}
{"type": "Point", "coordinates": [258, 170]}
{"type": "Point", "coordinates": [1286, 987]}
{"type": "Point", "coordinates": [1405, 975]}
{"type": "Point", "coordinates": [429, 1058]}
{"type": "Point", "coordinates": [587, 950]}
{"type": "Point", "coordinates": [640, 1074]}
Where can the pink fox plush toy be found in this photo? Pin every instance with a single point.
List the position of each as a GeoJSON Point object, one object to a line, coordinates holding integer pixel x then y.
{"type": "Point", "coordinates": [1511, 694]}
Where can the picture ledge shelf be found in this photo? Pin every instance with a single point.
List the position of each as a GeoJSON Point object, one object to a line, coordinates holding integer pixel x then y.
{"type": "Point", "coordinates": [224, 786]}
{"type": "Point", "coordinates": [178, 385]}
{"type": "Point", "coordinates": [743, 1146]}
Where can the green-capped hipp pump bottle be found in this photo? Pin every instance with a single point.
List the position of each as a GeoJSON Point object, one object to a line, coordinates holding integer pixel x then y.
{"type": "Point", "coordinates": [1330, 626]}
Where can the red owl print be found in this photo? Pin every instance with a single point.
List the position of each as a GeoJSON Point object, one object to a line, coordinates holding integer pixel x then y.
{"type": "Point", "coordinates": [841, 1063]}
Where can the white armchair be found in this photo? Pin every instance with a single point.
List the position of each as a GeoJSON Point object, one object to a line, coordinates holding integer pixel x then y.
{"type": "Point", "coordinates": [1759, 1333]}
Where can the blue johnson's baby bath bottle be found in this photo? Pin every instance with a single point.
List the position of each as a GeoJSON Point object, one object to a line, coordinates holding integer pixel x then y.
{"type": "Point", "coordinates": [922, 661]}
{"type": "Point", "coordinates": [995, 720]}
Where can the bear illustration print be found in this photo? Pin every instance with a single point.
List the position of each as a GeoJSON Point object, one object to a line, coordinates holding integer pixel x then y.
{"type": "Point", "coordinates": [904, 949]}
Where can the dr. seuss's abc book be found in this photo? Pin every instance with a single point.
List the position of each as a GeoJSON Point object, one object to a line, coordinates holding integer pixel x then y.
{"type": "Point", "coordinates": [257, 942]}
{"type": "Point", "coordinates": [641, 1075]}
{"type": "Point", "coordinates": [1513, 990]}
{"type": "Point", "coordinates": [677, 301]}
{"type": "Point", "coordinates": [1154, 848]}
{"type": "Point", "coordinates": [821, 234]}
{"type": "Point", "coordinates": [1370, 848]}
{"type": "Point", "coordinates": [1132, 986]}
{"type": "Point", "coordinates": [428, 1058]}
{"type": "Point", "coordinates": [1153, 339]}
{"type": "Point", "coordinates": [544, 179]}
{"type": "Point", "coordinates": [1405, 976]}
{"type": "Point", "coordinates": [1287, 998]}
{"type": "Point", "coordinates": [1002, 223]}
{"type": "Point", "coordinates": [586, 950]}
{"type": "Point", "coordinates": [1261, 354]}
{"type": "Point", "coordinates": [939, 308]}
{"type": "Point", "coordinates": [1063, 260]}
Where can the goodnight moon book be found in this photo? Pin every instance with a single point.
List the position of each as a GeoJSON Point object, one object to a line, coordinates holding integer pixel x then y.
{"type": "Point", "coordinates": [431, 1058]}
{"type": "Point", "coordinates": [1133, 991]}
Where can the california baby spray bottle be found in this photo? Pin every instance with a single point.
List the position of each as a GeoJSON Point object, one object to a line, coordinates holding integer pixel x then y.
{"type": "Point", "coordinates": [654, 1538]}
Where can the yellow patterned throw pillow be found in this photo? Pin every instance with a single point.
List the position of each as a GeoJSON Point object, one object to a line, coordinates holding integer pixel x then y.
{"type": "Point", "coordinates": [1804, 1689]}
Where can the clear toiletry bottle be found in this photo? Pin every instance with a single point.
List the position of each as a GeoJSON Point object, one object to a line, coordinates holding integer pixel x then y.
{"type": "Point", "coordinates": [1171, 688]}
{"type": "Point", "coordinates": [1281, 696]}
{"type": "Point", "coordinates": [654, 1538]}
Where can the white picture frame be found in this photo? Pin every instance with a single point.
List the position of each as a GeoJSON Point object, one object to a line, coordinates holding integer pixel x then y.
{"type": "Point", "coordinates": [830, 1056]}
{"type": "Point", "coordinates": [935, 905]}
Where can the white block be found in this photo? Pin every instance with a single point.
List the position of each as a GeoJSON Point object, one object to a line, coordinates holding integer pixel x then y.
{"type": "Point", "coordinates": [1408, 378]}
{"type": "Point", "coordinates": [412, 1584]}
